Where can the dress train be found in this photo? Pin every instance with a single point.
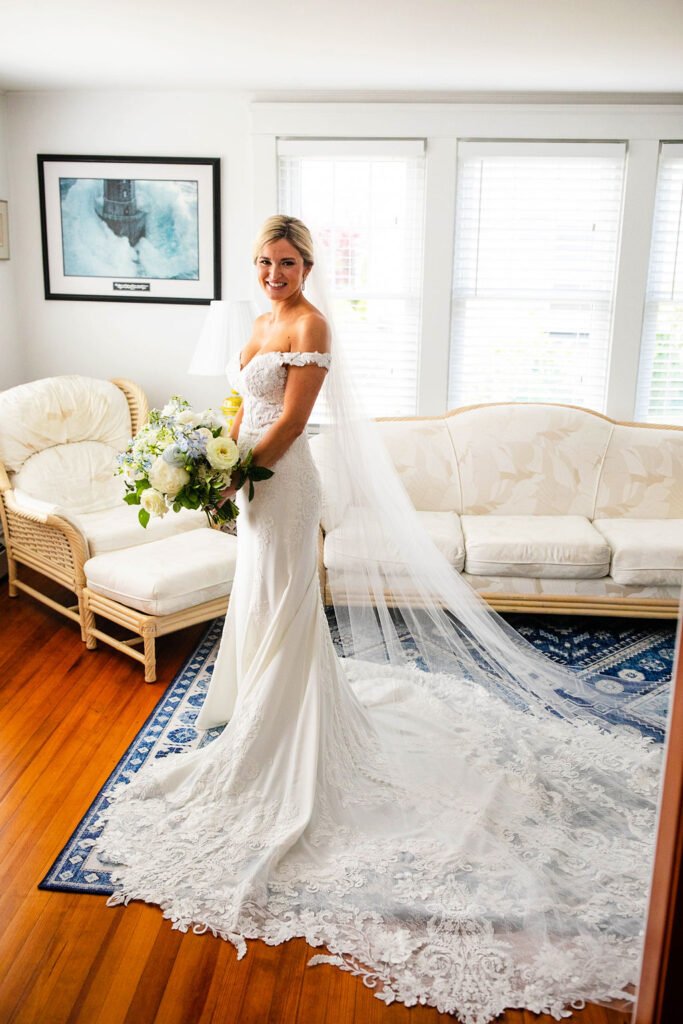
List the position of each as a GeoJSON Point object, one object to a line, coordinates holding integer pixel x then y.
{"type": "Point", "coordinates": [452, 849]}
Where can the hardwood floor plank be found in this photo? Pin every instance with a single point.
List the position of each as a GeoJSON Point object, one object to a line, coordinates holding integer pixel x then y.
{"type": "Point", "coordinates": [66, 717]}
{"type": "Point", "coordinates": [293, 958]}
{"type": "Point", "coordinates": [113, 989]}
{"type": "Point", "coordinates": [149, 991]}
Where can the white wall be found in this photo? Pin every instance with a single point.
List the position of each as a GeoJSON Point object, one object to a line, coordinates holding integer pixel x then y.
{"type": "Point", "coordinates": [150, 343]}
{"type": "Point", "coordinates": [11, 364]}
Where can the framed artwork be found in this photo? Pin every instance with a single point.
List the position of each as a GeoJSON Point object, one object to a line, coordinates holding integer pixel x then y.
{"type": "Point", "coordinates": [4, 231]}
{"type": "Point", "coordinates": [130, 229]}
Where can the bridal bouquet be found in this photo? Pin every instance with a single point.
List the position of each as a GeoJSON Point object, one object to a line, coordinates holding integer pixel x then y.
{"type": "Point", "coordinates": [182, 459]}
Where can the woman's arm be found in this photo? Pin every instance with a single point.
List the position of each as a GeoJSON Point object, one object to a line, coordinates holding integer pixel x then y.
{"type": "Point", "coordinates": [236, 423]}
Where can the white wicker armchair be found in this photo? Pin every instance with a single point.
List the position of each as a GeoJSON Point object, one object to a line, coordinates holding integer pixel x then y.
{"type": "Point", "coordinates": [61, 504]}
{"type": "Point", "coordinates": [39, 532]}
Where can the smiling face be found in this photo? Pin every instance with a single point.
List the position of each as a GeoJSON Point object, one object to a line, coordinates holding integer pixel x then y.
{"type": "Point", "coordinates": [281, 269]}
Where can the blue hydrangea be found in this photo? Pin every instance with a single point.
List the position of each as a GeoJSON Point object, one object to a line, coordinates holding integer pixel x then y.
{"type": "Point", "coordinates": [175, 454]}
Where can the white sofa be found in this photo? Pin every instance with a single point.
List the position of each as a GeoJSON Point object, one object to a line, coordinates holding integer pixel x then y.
{"type": "Point", "coordinates": [543, 507]}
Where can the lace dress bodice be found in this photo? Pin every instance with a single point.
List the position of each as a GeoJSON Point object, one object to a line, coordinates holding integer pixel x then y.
{"type": "Point", "coordinates": [262, 384]}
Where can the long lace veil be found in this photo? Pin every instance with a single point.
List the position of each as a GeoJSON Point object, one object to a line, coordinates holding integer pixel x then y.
{"type": "Point", "coordinates": [397, 599]}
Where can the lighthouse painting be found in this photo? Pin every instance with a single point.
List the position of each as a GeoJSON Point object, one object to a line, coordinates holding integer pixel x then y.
{"type": "Point", "coordinates": [118, 208]}
{"type": "Point", "coordinates": [142, 235]}
{"type": "Point", "coordinates": [131, 227]}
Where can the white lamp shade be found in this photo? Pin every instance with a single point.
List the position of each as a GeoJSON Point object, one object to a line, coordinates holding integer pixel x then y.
{"type": "Point", "coordinates": [226, 330]}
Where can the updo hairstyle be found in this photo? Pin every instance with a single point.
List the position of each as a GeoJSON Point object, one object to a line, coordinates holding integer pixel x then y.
{"type": "Point", "coordinates": [294, 230]}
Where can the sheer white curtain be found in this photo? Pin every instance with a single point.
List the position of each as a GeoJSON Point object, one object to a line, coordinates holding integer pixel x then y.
{"type": "Point", "coordinates": [660, 376]}
{"type": "Point", "coordinates": [536, 242]}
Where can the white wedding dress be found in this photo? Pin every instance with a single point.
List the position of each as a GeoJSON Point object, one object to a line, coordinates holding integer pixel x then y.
{"type": "Point", "coordinates": [452, 849]}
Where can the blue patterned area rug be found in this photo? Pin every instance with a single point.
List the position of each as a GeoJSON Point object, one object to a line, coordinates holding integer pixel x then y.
{"type": "Point", "coordinates": [636, 653]}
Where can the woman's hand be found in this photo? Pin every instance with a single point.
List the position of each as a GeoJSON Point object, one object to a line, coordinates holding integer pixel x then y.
{"type": "Point", "coordinates": [231, 490]}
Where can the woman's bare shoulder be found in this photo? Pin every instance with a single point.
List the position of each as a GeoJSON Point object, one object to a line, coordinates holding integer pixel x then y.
{"type": "Point", "coordinates": [312, 333]}
{"type": "Point", "coordinates": [261, 321]}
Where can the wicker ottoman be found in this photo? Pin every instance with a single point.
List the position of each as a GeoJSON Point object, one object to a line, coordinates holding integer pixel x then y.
{"type": "Point", "coordinates": [156, 588]}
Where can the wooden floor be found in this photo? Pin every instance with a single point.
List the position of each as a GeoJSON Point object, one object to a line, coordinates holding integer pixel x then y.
{"type": "Point", "coordinates": [66, 716]}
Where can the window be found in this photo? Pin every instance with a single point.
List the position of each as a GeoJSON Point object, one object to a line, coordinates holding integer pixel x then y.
{"type": "Point", "coordinates": [536, 240]}
{"type": "Point", "coordinates": [659, 396]}
{"type": "Point", "coordinates": [364, 201]}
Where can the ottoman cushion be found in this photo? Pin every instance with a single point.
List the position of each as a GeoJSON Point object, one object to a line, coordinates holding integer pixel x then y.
{"type": "Point", "coordinates": [166, 575]}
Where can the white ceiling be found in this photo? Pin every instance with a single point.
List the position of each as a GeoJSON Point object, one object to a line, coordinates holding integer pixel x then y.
{"type": "Point", "coordinates": [294, 47]}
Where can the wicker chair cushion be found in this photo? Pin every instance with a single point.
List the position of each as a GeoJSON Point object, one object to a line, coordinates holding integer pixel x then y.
{"type": "Point", "coordinates": [79, 476]}
{"type": "Point", "coordinates": [118, 527]}
{"type": "Point", "coordinates": [58, 411]}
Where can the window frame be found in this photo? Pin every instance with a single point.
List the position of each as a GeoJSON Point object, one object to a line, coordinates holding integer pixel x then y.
{"type": "Point", "coordinates": [641, 126]}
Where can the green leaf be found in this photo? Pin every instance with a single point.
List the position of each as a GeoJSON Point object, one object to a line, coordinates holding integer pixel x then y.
{"type": "Point", "coordinates": [143, 516]}
{"type": "Point", "coordinates": [251, 490]}
{"type": "Point", "coordinates": [260, 473]}
{"type": "Point", "coordinates": [132, 499]}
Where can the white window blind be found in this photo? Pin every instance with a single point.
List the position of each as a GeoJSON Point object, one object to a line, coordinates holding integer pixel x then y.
{"type": "Point", "coordinates": [364, 200]}
{"type": "Point", "coordinates": [659, 397]}
{"type": "Point", "coordinates": [537, 230]}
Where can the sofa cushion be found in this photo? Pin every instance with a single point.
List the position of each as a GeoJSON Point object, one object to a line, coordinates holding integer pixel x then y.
{"type": "Point", "coordinates": [79, 476]}
{"type": "Point", "coordinates": [60, 410]}
{"type": "Point", "coordinates": [167, 575]}
{"type": "Point", "coordinates": [422, 452]}
{"type": "Point", "coordinates": [528, 459]}
{"type": "Point", "coordinates": [552, 546]}
{"type": "Point", "coordinates": [119, 527]}
{"type": "Point", "coordinates": [358, 541]}
{"type": "Point", "coordinates": [645, 551]}
{"type": "Point", "coordinates": [642, 477]}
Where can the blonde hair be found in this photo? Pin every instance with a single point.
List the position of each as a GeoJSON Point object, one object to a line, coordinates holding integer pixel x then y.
{"type": "Point", "coordinates": [294, 230]}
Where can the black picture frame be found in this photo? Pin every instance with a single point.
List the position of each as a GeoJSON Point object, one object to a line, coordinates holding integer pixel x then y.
{"type": "Point", "coordinates": [103, 215]}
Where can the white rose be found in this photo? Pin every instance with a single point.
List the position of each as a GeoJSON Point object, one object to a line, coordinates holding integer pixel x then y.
{"type": "Point", "coordinates": [131, 474]}
{"type": "Point", "coordinates": [167, 478]}
{"type": "Point", "coordinates": [186, 416]}
{"type": "Point", "coordinates": [153, 502]}
{"type": "Point", "coordinates": [205, 432]}
{"type": "Point", "coordinates": [222, 453]}
{"type": "Point", "coordinates": [217, 420]}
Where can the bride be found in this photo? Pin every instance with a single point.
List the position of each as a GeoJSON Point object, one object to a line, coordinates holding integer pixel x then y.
{"type": "Point", "coordinates": [443, 809]}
